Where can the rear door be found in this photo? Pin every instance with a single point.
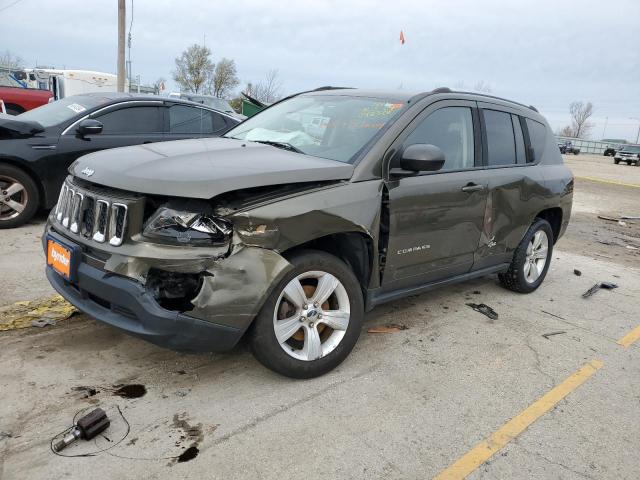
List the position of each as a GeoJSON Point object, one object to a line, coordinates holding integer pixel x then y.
{"type": "Point", "coordinates": [187, 121]}
{"type": "Point", "coordinates": [515, 180]}
{"type": "Point", "coordinates": [436, 218]}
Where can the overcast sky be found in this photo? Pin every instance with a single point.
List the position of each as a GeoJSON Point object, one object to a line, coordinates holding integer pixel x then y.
{"type": "Point", "coordinates": [541, 52]}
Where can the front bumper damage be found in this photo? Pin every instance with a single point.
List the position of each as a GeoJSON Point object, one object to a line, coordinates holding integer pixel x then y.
{"type": "Point", "coordinates": [115, 289]}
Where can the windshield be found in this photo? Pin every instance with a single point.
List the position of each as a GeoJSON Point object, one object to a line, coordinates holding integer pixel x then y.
{"type": "Point", "coordinates": [631, 149]}
{"type": "Point", "coordinates": [328, 126]}
{"type": "Point", "coordinates": [60, 111]}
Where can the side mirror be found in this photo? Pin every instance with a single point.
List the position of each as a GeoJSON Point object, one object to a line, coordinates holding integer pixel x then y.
{"type": "Point", "coordinates": [422, 157]}
{"type": "Point", "coordinates": [89, 127]}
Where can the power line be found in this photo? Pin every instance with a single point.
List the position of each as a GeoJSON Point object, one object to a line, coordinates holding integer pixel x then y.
{"type": "Point", "coordinates": [10, 5]}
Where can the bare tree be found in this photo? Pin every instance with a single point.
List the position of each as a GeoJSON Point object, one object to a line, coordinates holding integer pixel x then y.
{"type": "Point", "coordinates": [566, 131]}
{"type": "Point", "coordinates": [267, 91]}
{"type": "Point", "coordinates": [224, 79]}
{"type": "Point", "coordinates": [482, 87]}
{"type": "Point", "coordinates": [580, 114]}
{"type": "Point", "coordinates": [9, 60]}
{"type": "Point", "coordinates": [194, 69]}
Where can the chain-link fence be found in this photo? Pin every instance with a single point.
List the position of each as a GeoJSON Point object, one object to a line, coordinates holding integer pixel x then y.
{"type": "Point", "coordinates": [587, 146]}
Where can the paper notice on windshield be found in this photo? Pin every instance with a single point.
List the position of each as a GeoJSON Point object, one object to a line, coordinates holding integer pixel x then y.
{"type": "Point", "coordinates": [76, 107]}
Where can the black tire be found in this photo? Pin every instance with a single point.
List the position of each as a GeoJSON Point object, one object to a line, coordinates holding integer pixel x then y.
{"type": "Point", "coordinates": [514, 278]}
{"type": "Point", "coordinates": [628, 162]}
{"type": "Point", "coordinates": [262, 337]}
{"type": "Point", "coordinates": [616, 161]}
{"type": "Point", "coordinates": [10, 174]}
{"type": "Point", "coordinates": [13, 110]}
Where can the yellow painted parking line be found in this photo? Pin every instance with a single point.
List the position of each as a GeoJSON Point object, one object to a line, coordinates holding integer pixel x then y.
{"type": "Point", "coordinates": [518, 424]}
{"type": "Point", "coordinates": [611, 182]}
{"type": "Point", "coordinates": [630, 337]}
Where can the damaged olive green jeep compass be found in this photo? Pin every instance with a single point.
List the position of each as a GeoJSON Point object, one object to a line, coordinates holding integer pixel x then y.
{"type": "Point", "coordinates": [305, 216]}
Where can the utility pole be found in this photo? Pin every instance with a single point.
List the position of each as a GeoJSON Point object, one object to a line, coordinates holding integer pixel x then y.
{"type": "Point", "coordinates": [638, 135]}
{"type": "Point", "coordinates": [121, 21]}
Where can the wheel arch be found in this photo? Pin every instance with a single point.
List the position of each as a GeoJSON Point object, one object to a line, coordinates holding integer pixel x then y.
{"type": "Point", "coordinates": [353, 248]}
{"type": "Point", "coordinates": [554, 217]}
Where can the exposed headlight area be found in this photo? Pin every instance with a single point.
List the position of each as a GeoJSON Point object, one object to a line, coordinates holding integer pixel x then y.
{"type": "Point", "coordinates": [175, 225]}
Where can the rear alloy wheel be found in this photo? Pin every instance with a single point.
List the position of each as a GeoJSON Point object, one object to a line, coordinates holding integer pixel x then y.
{"type": "Point", "coordinates": [531, 259]}
{"type": "Point", "coordinates": [312, 319]}
{"type": "Point", "coordinates": [18, 197]}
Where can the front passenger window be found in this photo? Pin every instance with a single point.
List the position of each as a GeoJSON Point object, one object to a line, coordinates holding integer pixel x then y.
{"type": "Point", "coordinates": [451, 130]}
{"type": "Point", "coordinates": [132, 121]}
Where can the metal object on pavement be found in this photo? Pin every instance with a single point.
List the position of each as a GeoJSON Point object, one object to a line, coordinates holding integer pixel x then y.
{"type": "Point", "coordinates": [86, 428]}
{"type": "Point", "coordinates": [598, 286]}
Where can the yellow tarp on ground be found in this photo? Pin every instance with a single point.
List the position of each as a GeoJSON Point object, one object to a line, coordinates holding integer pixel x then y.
{"type": "Point", "coordinates": [21, 314]}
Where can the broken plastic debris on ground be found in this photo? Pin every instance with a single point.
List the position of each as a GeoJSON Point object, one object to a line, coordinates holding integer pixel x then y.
{"type": "Point", "coordinates": [484, 309]}
{"type": "Point", "coordinates": [41, 312]}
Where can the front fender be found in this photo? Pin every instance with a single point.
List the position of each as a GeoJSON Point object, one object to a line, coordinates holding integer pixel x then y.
{"type": "Point", "coordinates": [284, 224]}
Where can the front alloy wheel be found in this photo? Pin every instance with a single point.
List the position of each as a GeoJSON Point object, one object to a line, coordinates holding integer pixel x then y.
{"type": "Point", "coordinates": [311, 315]}
{"type": "Point", "coordinates": [13, 198]}
{"type": "Point", "coordinates": [312, 319]}
{"type": "Point", "coordinates": [19, 197]}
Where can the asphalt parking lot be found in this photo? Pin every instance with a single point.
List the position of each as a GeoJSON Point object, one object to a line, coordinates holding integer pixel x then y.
{"type": "Point", "coordinates": [549, 389]}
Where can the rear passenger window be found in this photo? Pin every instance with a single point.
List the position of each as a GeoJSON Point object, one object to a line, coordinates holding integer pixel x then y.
{"type": "Point", "coordinates": [517, 130]}
{"type": "Point", "coordinates": [219, 123]}
{"type": "Point", "coordinates": [537, 137]}
{"type": "Point", "coordinates": [451, 130]}
{"type": "Point", "coordinates": [183, 119]}
{"type": "Point", "coordinates": [501, 146]}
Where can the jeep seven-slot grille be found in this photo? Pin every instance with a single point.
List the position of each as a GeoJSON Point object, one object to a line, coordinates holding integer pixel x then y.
{"type": "Point", "coordinates": [86, 214]}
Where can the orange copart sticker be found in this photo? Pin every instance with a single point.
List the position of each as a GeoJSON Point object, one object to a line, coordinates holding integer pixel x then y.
{"type": "Point", "coordinates": [59, 258]}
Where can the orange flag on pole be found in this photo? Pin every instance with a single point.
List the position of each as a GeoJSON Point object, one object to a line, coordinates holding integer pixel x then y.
{"type": "Point", "coordinates": [401, 37]}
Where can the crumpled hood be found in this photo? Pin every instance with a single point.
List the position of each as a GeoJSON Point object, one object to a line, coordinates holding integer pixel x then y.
{"type": "Point", "coordinates": [203, 168]}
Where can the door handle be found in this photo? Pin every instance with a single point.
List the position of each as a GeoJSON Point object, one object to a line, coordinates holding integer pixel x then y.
{"type": "Point", "coordinates": [472, 187]}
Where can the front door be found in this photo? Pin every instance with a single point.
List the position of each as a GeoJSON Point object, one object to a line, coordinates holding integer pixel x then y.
{"type": "Point", "coordinates": [122, 125]}
{"type": "Point", "coordinates": [436, 218]}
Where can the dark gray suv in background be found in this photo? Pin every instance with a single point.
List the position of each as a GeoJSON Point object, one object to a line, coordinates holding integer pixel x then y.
{"type": "Point", "coordinates": [302, 218]}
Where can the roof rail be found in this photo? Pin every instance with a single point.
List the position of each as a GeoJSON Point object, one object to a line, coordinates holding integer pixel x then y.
{"type": "Point", "coordinates": [329, 87]}
{"type": "Point", "coordinates": [530, 107]}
